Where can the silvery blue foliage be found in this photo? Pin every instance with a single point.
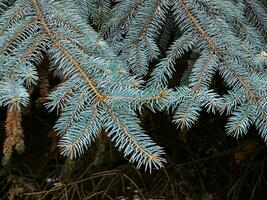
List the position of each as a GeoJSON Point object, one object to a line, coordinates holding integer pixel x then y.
{"type": "Point", "coordinates": [97, 93]}
{"type": "Point", "coordinates": [230, 40]}
{"type": "Point", "coordinates": [103, 74]}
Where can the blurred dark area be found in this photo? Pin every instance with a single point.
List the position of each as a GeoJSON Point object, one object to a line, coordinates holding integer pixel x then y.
{"type": "Point", "coordinates": [203, 163]}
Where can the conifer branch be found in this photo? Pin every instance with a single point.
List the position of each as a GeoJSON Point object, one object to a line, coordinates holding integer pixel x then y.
{"type": "Point", "coordinates": [14, 134]}
{"type": "Point", "coordinates": [98, 88]}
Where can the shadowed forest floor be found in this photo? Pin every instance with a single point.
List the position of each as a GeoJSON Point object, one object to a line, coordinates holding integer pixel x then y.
{"type": "Point", "coordinates": [203, 163]}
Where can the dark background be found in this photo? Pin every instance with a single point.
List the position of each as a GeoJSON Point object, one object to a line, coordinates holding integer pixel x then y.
{"type": "Point", "coordinates": [203, 163]}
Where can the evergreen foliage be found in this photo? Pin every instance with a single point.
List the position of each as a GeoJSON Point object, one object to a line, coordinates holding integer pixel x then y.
{"type": "Point", "coordinates": [104, 52]}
